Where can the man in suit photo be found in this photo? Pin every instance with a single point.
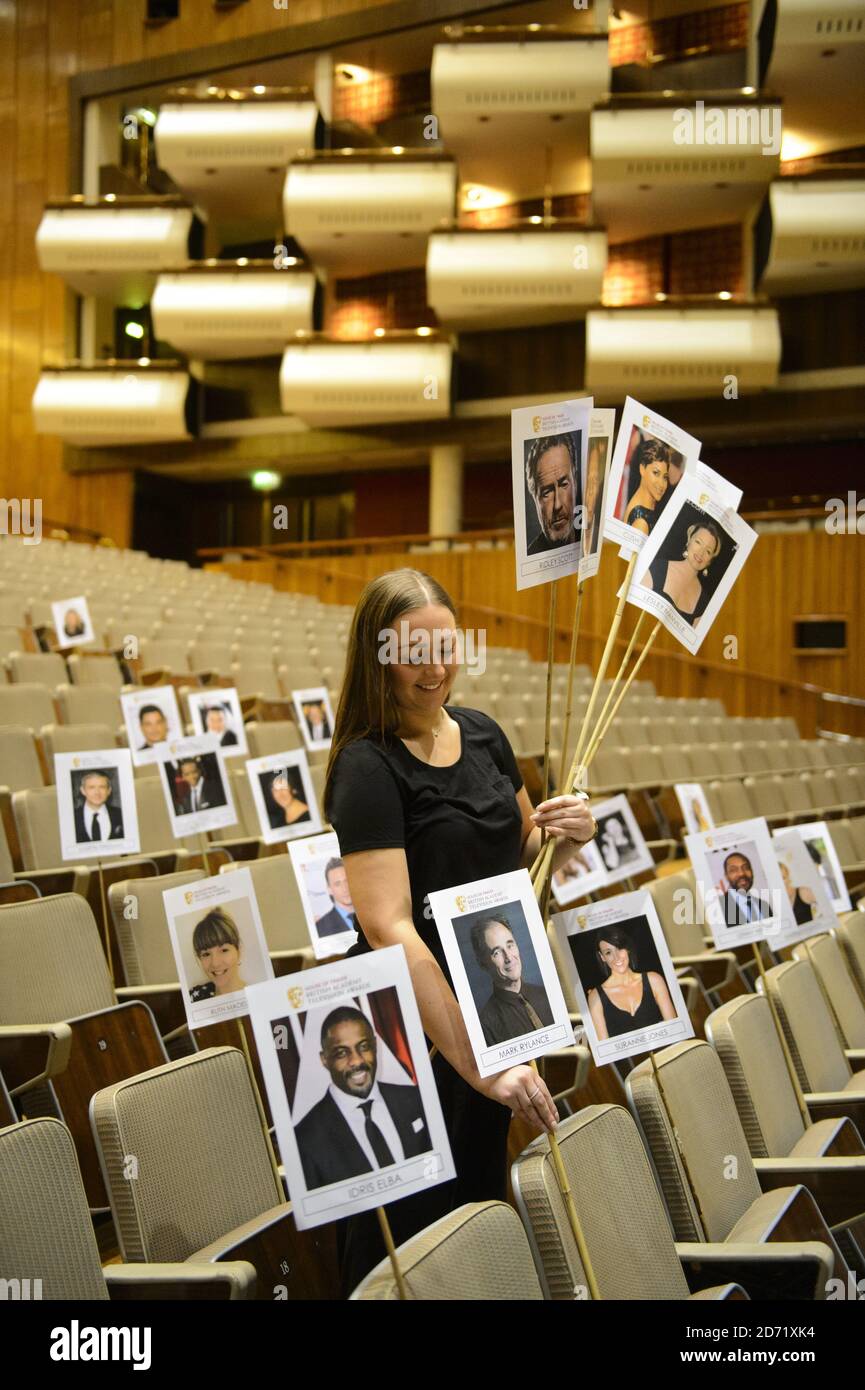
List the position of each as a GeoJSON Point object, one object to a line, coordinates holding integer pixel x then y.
{"type": "Point", "coordinates": [741, 906]}
{"type": "Point", "coordinates": [94, 819]}
{"type": "Point", "coordinates": [515, 1006]}
{"type": "Point", "coordinates": [215, 723]}
{"type": "Point", "coordinates": [196, 791]}
{"type": "Point", "coordinates": [341, 916]}
{"type": "Point", "coordinates": [360, 1125]}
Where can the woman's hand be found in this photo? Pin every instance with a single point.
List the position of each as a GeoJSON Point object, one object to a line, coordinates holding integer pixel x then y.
{"type": "Point", "coordinates": [566, 817]}
{"type": "Point", "coordinates": [522, 1090]}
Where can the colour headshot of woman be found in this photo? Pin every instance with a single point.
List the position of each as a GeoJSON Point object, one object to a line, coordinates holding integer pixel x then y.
{"type": "Point", "coordinates": [291, 806]}
{"type": "Point", "coordinates": [73, 625]}
{"type": "Point", "coordinates": [626, 1000]}
{"type": "Point", "coordinates": [681, 582]}
{"type": "Point", "coordinates": [652, 458]}
{"type": "Point", "coordinates": [216, 943]}
{"type": "Point", "coordinates": [802, 900]}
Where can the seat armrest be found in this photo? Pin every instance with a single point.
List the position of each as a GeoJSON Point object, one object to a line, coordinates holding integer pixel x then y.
{"type": "Point", "coordinates": [836, 1184]}
{"type": "Point", "coordinates": [856, 1057]}
{"type": "Point", "coordinates": [17, 1050]}
{"type": "Point", "coordinates": [145, 1282]}
{"type": "Point", "coordinates": [799, 1270]}
{"type": "Point", "coordinates": [824, 1105]}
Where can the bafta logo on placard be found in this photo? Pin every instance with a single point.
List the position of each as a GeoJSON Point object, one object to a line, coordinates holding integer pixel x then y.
{"type": "Point", "coordinates": [536, 423]}
{"type": "Point", "coordinates": [188, 899]}
{"type": "Point", "coordinates": [294, 995]}
{"type": "Point", "coordinates": [582, 920]}
{"type": "Point", "coordinates": [460, 902]}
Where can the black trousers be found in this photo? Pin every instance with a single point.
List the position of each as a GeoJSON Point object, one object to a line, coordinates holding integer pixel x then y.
{"type": "Point", "coordinates": [478, 1133]}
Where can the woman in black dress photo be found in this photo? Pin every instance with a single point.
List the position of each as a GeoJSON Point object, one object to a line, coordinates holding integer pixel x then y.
{"type": "Point", "coordinates": [651, 460]}
{"type": "Point", "coordinates": [626, 1000]}
{"type": "Point", "coordinates": [681, 582]}
{"type": "Point", "coordinates": [424, 796]}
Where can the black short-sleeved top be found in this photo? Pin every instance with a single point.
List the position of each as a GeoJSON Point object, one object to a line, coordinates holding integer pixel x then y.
{"type": "Point", "coordinates": [456, 824]}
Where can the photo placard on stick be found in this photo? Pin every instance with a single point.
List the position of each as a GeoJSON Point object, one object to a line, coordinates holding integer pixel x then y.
{"type": "Point", "coordinates": [694, 807]}
{"type": "Point", "coordinates": [595, 489]}
{"type": "Point", "coordinates": [96, 804]}
{"type": "Point", "coordinates": [690, 563]}
{"type": "Point", "coordinates": [72, 623]}
{"type": "Point", "coordinates": [650, 459]}
{"type": "Point", "coordinates": [620, 841]}
{"type": "Point", "coordinates": [549, 451]}
{"type": "Point", "coordinates": [219, 945]}
{"type": "Point", "coordinates": [818, 842]}
{"type": "Point", "coordinates": [152, 720]}
{"type": "Point", "coordinates": [740, 889]}
{"type": "Point", "coordinates": [314, 716]}
{"type": "Point", "coordinates": [350, 1086]}
{"type": "Point", "coordinates": [623, 976]}
{"type": "Point", "coordinates": [503, 971]}
{"type": "Point", "coordinates": [284, 796]}
{"type": "Point", "coordinates": [323, 885]}
{"type": "Point", "coordinates": [217, 711]}
{"type": "Point", "coordinates": [810, 907]}
{"type": "Point", "coordinates": [196, 785]}
{"type": "Point", "coordinates": [583, 873]}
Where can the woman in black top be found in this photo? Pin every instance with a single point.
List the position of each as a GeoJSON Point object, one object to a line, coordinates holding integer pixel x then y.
{"type": "Point", "coordinates": [652, 459]}
{"type": "Point", "coordinates": [421, 798]}
{"type": "Point", "coordinates": [626, 1000]}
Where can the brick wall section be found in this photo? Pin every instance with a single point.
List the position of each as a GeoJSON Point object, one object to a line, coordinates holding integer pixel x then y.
{"type": "Point", "coordinates": [723, 29]}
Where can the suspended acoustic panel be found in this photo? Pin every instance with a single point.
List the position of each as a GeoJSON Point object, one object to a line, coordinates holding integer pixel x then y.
{"type": "Point", "coordinates": [810, 236]}
{"type": "Point", "coordinates": [508, 279]}
{"type": "Point", "coordinates": [366, 383]}
{"type": "Point", "coordinates": [682, 352]}
{"type": "Point", "coordinates": [366, 215]}
{"type": "Point", "coordinates": [113, 252]}
{"type": "Point", "coordinates": [233, 314]}
{"type": "Point", "coordinates": [230, 158]}
{"type": "Point", "coordinates": [816, 56]}
{"type": "Point", "coordinates": [516, 115]}
{"type": "Point", "coordinates": [677, 167]}
{"type": "Point", "coordinates": [113, 406]}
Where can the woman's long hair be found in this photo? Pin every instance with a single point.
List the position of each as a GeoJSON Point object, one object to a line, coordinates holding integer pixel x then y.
{"type": "Point", "coordinates": [366, 705]}
{"type": "Point", "coordinates": [618, 937]}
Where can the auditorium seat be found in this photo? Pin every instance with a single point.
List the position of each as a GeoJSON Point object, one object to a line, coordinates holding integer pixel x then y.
{"type": "Point", "coordinates": [206, 1186]}
{"type": "Point", "coordinates": [272, 736]}
{"type": "Point", "coordinates": [19, 884]}
{"type": "Point", "coordinates": [55, 972]}
{"type": "Point", "coordinates": [89, 704]}
{"type": "Point", "coordinates": [730, 802]}
{"type": "Point", "coordinates": [29, 706]}
{"type": "Point", "coordinates": [768, 799]}
{"type": "Point", "coordinates": [13, 611]}
{"type": "Point", "coordinates": [299, 675]}
{"type": "Point", "coordinates": [851, 935]}
{"type": "Point", "coordinates": [166, 655]}
{"type": "Point", "coordinates": [824, 1069]}
{"type": "Point", "coordinates": [43, 668]}
{"type": "Point", "coordinates": [478, 1253]}
{"type": "Point", "coordinates": [95, 670]}
{"type": "Point", "coordinates": [608, 1172]}
{"type": "Point", "coordinates": [49, 1242]}
{"type": "Point", "coordinates": [707, 1176]}
{"type": "Point", "coordinates": [211, 657]}
{"type": "Point", "coordinates": [825, 956]}
{"type": "Point", "coordinates": [145, 945]}
{"type": "Point", "coordinates": [20, 767]}
{"type": "Point", "coordinates": [74, 738]}
{"type": "Point", "coordinates": [257, 682]}
{"type": "Point", "coordinates": [729, 760]}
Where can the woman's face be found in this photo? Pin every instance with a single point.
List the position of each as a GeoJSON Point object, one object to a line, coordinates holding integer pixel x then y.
{"type": "Point", "coordinates": [655, 477]}
{"type": "Point", "coordinates": [701, 548]}
{"type": "Point", "coordinates": [422, 679]}
{"type": "Point", "coordinates": [220, 964]}
{"type": "Point", "coordinates": [615, 957]}
{"type": "Point", "coordinates": [281, 792]}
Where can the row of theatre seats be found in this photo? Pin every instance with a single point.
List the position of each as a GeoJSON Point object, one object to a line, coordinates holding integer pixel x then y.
{"type": "Point", "coordinates": [729, 1191]}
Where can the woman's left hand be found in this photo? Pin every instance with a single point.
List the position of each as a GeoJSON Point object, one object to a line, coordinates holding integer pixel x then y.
{"type": "Point", "coordinates": [566, 817]}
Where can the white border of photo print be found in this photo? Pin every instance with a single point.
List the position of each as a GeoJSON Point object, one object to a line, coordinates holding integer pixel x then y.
{"type": "Point", "coordinates": [275, 762]}
{"type": "Point", "coordinates": [319, 694]}
{"type": "Point", "coordinates": [164, 697]}
{"type": "Point", "coordinates": [792, 853]}
{"type": "Point", "coordinates": [456, 910]}
{"type": "Point", "coordinates": [117, 764]}
{"type": "Point", "coordinates": [601, 428]}
{"type": "Point", "coordinates": [638, 857]}
{"type": "Point", "coordinates": [750, 839]}
{"type": "Point", "coordinates": [640, 417]}
{"type": "Point", "coordinates": [568, 890]}
{"type": "Point", "coordinates": [688, 794]}
{"type": "Point", "coordinates": [287, 1015]}
{"type": "Point", "coordinates": [200, 701]}
{"type": "Point", "coordinates": [209, 817]}
{"type": "Point", "coordinates": [538, 422]}
{"type": "Point", "coordinates": [819, 830]}
{"type": "Point", "coordinates": [59, 609]}
{"type": "Point", "coordinates": [627, 908]}
{"type": "Point", "coordinates": [235, 894]}
{"type": "Point", "coordinates": [308, 856]}
{"type": "Point", "coordinates": [694, 494]}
